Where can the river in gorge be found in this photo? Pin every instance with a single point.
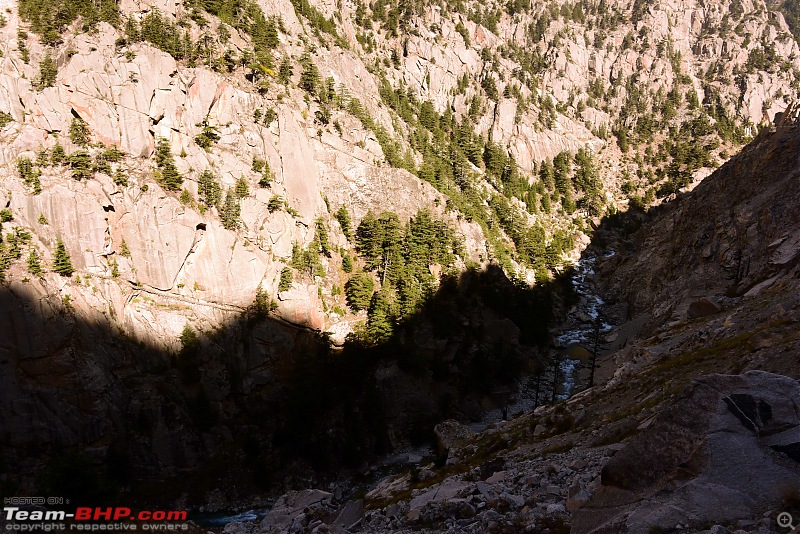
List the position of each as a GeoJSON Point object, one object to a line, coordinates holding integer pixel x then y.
{"type": "Point", "coordinates": [572, 339]}
{"type": "Point", "coordinates": [584, 321]}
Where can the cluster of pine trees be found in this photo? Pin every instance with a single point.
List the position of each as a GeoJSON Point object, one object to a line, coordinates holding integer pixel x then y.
{"type": "Point", "coordinates": [450, 148]}
{"type": "Point", "coordinates": [50, 19]}
{"type": "Point", "coordinates": [11, 248]}
{"type": "Point", "coordinates": [399, 257]}
{"type": "Point", "coordinates": [81, 164]}
{"type": "Point", "coordinates": [210, 193]}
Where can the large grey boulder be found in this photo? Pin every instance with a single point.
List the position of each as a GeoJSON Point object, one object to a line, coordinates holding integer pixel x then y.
{"type": "Point", "coordinates": [290, 510]}
{"type": "Point", "coordinates": [449, 433]}
{"type": "Point", "coordinates": [726, 449]}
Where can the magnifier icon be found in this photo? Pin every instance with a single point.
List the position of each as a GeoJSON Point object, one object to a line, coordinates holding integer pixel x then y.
{"type": "Point", "coordinates": [785, 521]}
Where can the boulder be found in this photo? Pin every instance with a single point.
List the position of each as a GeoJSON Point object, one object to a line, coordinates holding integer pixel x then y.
{"type": "Point", "coordinates": [443, 492]}
{"type": "Point", "coordinates": [449, 433]}
{"type": "Point", "coordinates": [301, 305]}
{"type": "Point", "coordinates": [291, 506]}
{"type": "Point", "coordinates": [351, 513]}
{"type": "Point", "coordinates": [702, 308]}
{"type": "Point", "coordinates": [725, 449]}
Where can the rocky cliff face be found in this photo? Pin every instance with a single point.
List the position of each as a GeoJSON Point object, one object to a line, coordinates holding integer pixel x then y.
{"type": "Point", "coordinates": [582, 76]}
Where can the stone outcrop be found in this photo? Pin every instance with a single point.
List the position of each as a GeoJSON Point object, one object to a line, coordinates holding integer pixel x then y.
{"type": "Point", "coordinates": [450, 433]}
{"type": "Point", "coordinates": [721, 452]}
{"type": "Point", "coordinates": [292, 509]}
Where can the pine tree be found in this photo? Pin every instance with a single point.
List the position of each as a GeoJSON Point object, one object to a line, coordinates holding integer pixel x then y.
{"type": "Point", "coordinates": [344, 221]}
{"type": "Point", "coordinates": [568, 203]}
{"type": "Point", "coordinates": [309, 78]}
{"type": "Point", "coordinates": [262, 166]}
{"type": "Point", "coordinates": [208, 189]}
{"type": "Point", "coordinates": [321, 236]}
{"type": "Point", "coordinates": [419, 238]}
{"type": "Point", "coordinates": [120, 179]}
{"type": "Point", "coordinates": [5, 260]}
{"type": "Point", "coordinates": [34, 265]}
{"type": "Point", "coordinates": [561, 169]}
{"type": "Point", "coordinates": [392, 261]}
{"type": "Point", "coordinates": [379, 322]}
{"type": "Point", "coordinates": [208, 135]}
{"type": "Point", "coordinates": [285, 71]}
{"type": "Point", "coordinates": [29, 174]}
{"type": "Point", "coordinates": [124, 251]}
{"type": "Point", "coordinates": [307, 259]}
{"type": "Point", "coordinates": [81, 164]}
{"type": "Point", "coordinates": [258, 163]}
{"type": "Point", "coordinates": [25, 168]}
{"type": "Point", "coordinates": [22, 37]}
{"type": "Point", "coordinates": [168, 175]}
{"type": "Point", "coordinates": [57, 155]}
{"type": "Point", "coordinates": [47, 71]}
{"type": "Point", "coordinates": [230, 212]}
{"type": "Point", "coordinates": [546, 175]}
{"type": "Point", "coordinates": [546, 207]}
{"type": "Point", "coordinates": [78, 132]}
{"type": "Point", "coordinates": [410, 291]}
{"type": "Point", "coordinates": [132, 29]}
{"type": "Point", "coordinates": [369, 239]}
{"type": "Point", "coordinates": [275, 203]}
{"type": "Point", "coordinates": [190, 342]}
{"type": "Point", "coordinates": [266, 177]}
{"type": "Point", "coordinates": [163, 152]}
{"type": "Point", "coordinates": [358, 291]}
{"type": "Point", "coordinates": [285, 282]}
{"type": "Point", "coordinates": [347, 263]}
{"type": "Point", "coordinates": [242, 189]}
{"type": "Point", "coordinates": [170, 178]}
{"type": "Point", "coordinates": [61, 261]}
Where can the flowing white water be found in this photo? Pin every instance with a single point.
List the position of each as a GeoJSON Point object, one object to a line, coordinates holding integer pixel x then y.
{"type": "Point", "coordinates": [220, 519]}
{"type": "Point", "coordinates": [579, 329]}
{"type": "Point", "coordinates": [583, 321]}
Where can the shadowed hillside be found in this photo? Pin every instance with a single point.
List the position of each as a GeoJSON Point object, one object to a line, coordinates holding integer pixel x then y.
{"type": "Point", "coordinates": [256, 394]}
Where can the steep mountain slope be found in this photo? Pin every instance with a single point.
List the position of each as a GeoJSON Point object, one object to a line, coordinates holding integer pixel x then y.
{"type": "Point", "coordinates": [746, 243]}
{"type": "Point", "coordinates": [200, 197]}
{"type": "Point", "coordinates": [791, 13]}
{"type": "Point", "coordinates": [559, 84]}
{"type": "Point", "coordinates": [696, 431]}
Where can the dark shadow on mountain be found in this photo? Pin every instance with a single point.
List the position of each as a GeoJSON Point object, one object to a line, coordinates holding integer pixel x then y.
{"type": "Point", "coordinates": [256, 407]}
{"type": "Point", "coordinates": [260, 406]}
